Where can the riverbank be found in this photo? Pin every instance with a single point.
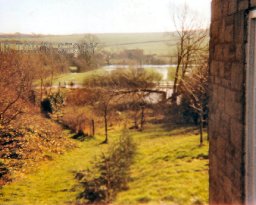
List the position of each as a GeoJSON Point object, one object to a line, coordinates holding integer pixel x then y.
{"type": "Point", "coordinates": [77, 79]}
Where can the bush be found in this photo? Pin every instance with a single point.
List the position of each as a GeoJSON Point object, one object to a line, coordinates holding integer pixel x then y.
{"type": "Point", "coordinates": [4, 171]}
{"type": "Point", "coordinates": [110, 173]}
{"type": "Point", "coordinates": [52, 104]}
{"type": "Point", "coordinates": [79, 120]}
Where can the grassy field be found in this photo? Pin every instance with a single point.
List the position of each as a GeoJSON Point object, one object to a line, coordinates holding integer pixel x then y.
{"type": "Point", "coordinates": [151, 43]}
{"type": "Point", "coordinates": [169, 168]}
{"type": "Point", "coordinates": [76, 78]}
{"type": "Point", "coordinates": [79, 78]}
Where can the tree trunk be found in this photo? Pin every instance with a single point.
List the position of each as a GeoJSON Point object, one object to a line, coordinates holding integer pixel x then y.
{"type": "Point", "coordinates": [41, 90]}
{"type": "Point", "coordinates": [106, 126]}
{"type": "Point", "coordinates": [174, 94]}
{"type": "Point", "coordinates": [136, 126]}
{"type": "Point", "coordinates": [50, 91]}
{"type": "Point", "coordinates": [201, 128]}
{"type": "Point", "coordinates": [175, 83]}
{"type": "Point", "coordinates": [142, 120]}
{"type": "Point", "coordinates": [93, 128]}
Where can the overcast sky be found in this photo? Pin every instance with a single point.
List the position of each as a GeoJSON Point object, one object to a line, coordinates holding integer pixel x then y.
{"type": "Point", "coordinates": [92, 16]}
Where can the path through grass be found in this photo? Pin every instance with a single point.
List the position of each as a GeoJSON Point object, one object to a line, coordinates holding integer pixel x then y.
{"type": "Point", "coordinates": [169, 168]}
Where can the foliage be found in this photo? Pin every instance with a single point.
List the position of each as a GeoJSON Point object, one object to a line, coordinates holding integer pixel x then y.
{"type": "Point", "coordinates": [131, 78]}
{"type": "Point", "coordinates": [89, 49]}
{"type": "Point", "coordinates": [4, 174]}
{"type": "Point", "coordinates": [195, 92]}
{"type": "Point", "coordinates": [171, 73]}
{"type": "Point", "coordinates": [121, 86]}
{"type": "Point", "coordinates": [29, 140]}
{"type": "Point", "coordinates": [53, 103]}
{"type": "Point", "coordinates": [18, 71]}
{"type": "Point", "coordinates": [195, 95]}
{"type": "Point", "coordinates": [48, 64]}
{"type": "Point", "coordinates": [15, 85]}
{"type": "Point", "coordinates": [192, 44]}
{"type": "Point", "coordinates": [79, 120]}
{"type": "Point", "coordinates": [110, 174]}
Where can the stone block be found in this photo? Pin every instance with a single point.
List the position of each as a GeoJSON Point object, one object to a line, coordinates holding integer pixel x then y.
{"type": "Point", "coordinates": [214, 30]}
{"type": "Point", "coordinates": [218, 52]}
{"type": "Point", "coordinates": [214, 67]}
{"type": "Point", "coordinates": [237, 132]}
{"type": "Point", "coordinates": [243, 5]}
{"type": "Point", "coordinates": [229, 31]}
{"type": "Point", "coordinates": [221, 149]}
{"type": "Point", "coordinates": [240, 52]}
{"type": "Point", "coordinates": [227, 71]}
{"type": "Point", "coordinates": [228, 189]}
{"type": "Point", "coordinates": [221, 69]}
{"type": "Point", "coordinates": [239, 27]}
{"type": "Point", "coordinates": [232, 7]}
{"type": "Point", "coordinates": [226, 83]}
{"type": "Point", "coordinates": [237, 76]}
{"type": "Point", "coordinates": [232, 108]}
{"type": "Point", "coordinates": [253, 3]}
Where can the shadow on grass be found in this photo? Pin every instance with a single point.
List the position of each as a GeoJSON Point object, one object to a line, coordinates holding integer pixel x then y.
{"type": "Point", "coordinates": [168, 129]}
{"type": "Point", "coordinates": [179, 128]}
{"type": "Point", "coordinates": [81, 137]}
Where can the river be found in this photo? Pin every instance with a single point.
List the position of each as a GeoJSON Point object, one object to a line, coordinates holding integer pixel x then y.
{"type": "Point", "coordinates": [162, 69]}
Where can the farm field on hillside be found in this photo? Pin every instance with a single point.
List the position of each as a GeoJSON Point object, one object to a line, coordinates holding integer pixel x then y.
{"type": "Point", "coordinates": [151, 43]}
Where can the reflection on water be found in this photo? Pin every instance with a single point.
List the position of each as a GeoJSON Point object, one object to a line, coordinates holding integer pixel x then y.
{"type": "Point", "coordinates": [162, 69]}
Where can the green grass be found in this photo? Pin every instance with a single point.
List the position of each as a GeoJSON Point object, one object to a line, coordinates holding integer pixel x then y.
{"type": "Point", "coordinates": [54, 182]}
{"type": "Point", "coordinates": [171, 73]}
{"type": "Point", "coordinates": [77, 78]}
{"type": "Point", "coordinates": [169, 167]}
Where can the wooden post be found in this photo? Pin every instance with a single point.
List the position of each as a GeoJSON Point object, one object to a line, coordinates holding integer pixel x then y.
{"type": "Point", "coordinates": [93, 128]}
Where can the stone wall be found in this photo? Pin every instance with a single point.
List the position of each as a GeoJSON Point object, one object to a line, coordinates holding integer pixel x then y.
{"type": "Point", "coordinates": [227, 103]}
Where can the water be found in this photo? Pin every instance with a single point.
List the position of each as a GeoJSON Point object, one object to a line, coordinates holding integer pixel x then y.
{"type": "Point", "coordinates": [162, 69]}
{"type": "Point", "coordinates": [153, 97]}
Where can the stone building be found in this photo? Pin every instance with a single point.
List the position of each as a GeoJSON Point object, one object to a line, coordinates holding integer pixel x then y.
{"type": "Point", "coordinates": [232, 124]}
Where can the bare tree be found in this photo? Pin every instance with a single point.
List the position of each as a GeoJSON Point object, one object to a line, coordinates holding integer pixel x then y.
{"type": "Point", "coordinates": [102, 101]}
{"type": "Point", "coordinates": [195, 89]}
{"type": "Point", "coordinates": [15, 85]}
{"type": "Point", "coordinates": [89, 49]}
{"type": "Point", "coordinates": [191, 43]}
{"type": "Point", "coordinates": [48, 63]}
{"type": "Point", "coordinates": [120, 87]}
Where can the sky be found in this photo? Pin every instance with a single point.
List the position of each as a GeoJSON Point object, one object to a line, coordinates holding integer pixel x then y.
{"type": "Point", "coordinates": [92, 16]}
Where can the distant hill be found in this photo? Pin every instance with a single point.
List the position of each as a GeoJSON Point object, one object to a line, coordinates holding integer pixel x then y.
{"type": "Point", "coordinates": [161, 44]}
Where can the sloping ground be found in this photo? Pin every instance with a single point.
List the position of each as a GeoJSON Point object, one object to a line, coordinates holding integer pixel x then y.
{"type": "Point", "coordinates": [169, 168]}
{"type": "Point", "coordinates": [54, 182]}
{"type": "Point", "coordinates": [22, 146]}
